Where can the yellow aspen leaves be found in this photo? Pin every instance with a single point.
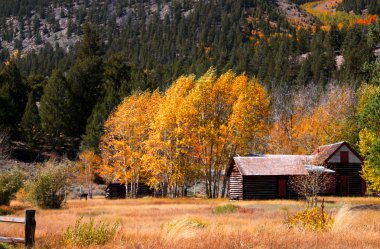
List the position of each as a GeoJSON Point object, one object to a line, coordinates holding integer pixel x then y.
{"type": "Point", "coordinates": [125, 132]}
{"type": "Point", "coordinates": [187, 134]}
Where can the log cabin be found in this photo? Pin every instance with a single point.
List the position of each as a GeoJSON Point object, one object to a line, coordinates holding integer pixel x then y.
{"type": "Point", "coordinates": [119, 191]}
{"type": "Point", "coordinates": [267, 176]}
{"type": "Point", "coordinates": [115, 191]}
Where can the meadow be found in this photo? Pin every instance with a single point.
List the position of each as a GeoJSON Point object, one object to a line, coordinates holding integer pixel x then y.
{"type": "Point", "coordinates": [193, 223]}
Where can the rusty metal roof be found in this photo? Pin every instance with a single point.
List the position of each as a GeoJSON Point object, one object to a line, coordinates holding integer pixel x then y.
{"type": "Point", "coordinates": [271, 165]}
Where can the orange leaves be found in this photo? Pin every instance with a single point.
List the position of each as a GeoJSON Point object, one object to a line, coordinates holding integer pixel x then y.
{"type": "Point", "coordinates": [189, 132]}
{"type": "Point", "coordinates": [167, 158]}
{"type": "Point", "coordinates": [325, 28]}
{"type": "Point", "coordinates": [249, 121]}
{"type": "Point", "coordinates": [304, 130]}
{"type": "Point", "coordinates": [89, 157]}
{"type": "Point", "coordinates": [125, 132]}
{"type": "Point", "coordinates": [369, 20]}
{"type": "Point", "coordinates": [257, 34]}
{"type": "Point", "coordinates": [16, 54]}
{"type": "Point", "coordinates": [89, 163]}
{"type": "Point", "coordinates": [221, 115]}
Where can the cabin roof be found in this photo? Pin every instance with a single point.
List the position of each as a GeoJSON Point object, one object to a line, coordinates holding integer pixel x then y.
{"type": "Point", "coordinates": [323, 153]}
{"type": "Point", "coordinates": [271, 165]}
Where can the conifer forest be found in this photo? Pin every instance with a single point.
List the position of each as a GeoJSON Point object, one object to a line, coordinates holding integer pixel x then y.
{"type": "Point", "coordinates": [168, 90]}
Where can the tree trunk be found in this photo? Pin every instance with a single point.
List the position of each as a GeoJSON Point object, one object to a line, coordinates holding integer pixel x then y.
{"type": "Point", "coordinates": [90, 192]}
{"type": "Point", "coordinates": [137, 185]}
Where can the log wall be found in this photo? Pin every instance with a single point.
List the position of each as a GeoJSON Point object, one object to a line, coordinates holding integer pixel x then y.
{"type": "Point", "coordinates": [260, 187]}
{"type": "Point", "coordinates": [235, 184]}
{"type": "Point", "coordinates": [352, 170]}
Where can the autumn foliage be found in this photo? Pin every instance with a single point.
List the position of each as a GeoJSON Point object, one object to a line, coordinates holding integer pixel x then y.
{"type": "Point", "coordinates": [186, 134]}
{"type": "Point", "coordinates": [369, 20]}
{"type": "Point", "coordinates": [304, 126]}
{"type": "Point", "coordinates": [125, 133]}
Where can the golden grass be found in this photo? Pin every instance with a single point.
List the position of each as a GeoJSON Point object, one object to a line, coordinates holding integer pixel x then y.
{"type": "Point", "coordinates": [190, 223]}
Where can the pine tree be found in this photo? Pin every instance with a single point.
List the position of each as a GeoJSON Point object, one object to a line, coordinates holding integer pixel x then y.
{"type": "Point", "coordinates": [12, 95]}
{"type": "Point", "coordinates": [30, 122]}
{"type": "Point", "coordinates": [36, 84]}
{"type": "Point", "coordinates": [56, 110]}
{"type": "Point", "coordinates": [117, 85]}
{"type": "Point", "coordinates": [86, 76]}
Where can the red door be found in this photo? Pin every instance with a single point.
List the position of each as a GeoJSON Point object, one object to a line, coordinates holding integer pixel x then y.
{"type": "Point", "coordinates": [281, 188]}
{"type": "Point", "coordinates": [344, 185]}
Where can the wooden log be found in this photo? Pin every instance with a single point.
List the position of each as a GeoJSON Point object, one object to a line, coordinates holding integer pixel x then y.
{"type": "Point", "coordinates": [30, 228]}
{"type": "Point", "coordinates": [12, 219]}
{"type": "Point", "coordinates": [11, 240]}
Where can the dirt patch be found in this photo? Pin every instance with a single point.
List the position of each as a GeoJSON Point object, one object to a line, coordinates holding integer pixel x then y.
{"type": "Point", "coordinates": [375, 207]}
{"type": "Point", "coordinates": [295, 14]}
{"type": "Point", "coordinates": [245, 210]}
{"type": "Point", "coordinates": [328, 5]}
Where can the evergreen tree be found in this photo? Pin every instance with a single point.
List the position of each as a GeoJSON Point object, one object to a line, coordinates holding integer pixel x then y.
{"type": "Point", "coordinates": [36, 84]}
{"type": "Point", "coordinates": [117, 85]}
{"type": "Point", "coordinates": [12, 95]}
{"type": "Point", "coordinates": [30, 122]}
{"type": "Point", "coordinates": [86, 76]}
{"type": "Point", "coordinates": [56, 109]}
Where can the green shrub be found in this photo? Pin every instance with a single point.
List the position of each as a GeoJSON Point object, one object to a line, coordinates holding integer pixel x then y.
{"type": "Point", "coordinates": [315, 219]}
{"type": "Point", "coordinates": [6, 246]}
{"type": "Point", "coordinates": [48, 188]}
{"type": "Point", "coordinates": [90, 233]}
{"type": "Point", "coordinates": [229, 208]}
{"type": "Point", "coordinates": [10, 182]}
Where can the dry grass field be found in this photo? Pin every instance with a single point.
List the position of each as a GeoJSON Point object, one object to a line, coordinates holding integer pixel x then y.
{"type": "Point", "coordinates": [190, 223]}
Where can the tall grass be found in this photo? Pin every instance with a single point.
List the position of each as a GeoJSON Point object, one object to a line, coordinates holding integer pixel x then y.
{"type": "Point", "coordinates": [6, 246]}
{"type": "Point", "coordinates": [90, 233]}
{"type": "Point", "coordinates": [229, 208]}
{"type": "Point", "coordinates": [188, 224]}
{"type": "Point", "coordinates": [183, 228]}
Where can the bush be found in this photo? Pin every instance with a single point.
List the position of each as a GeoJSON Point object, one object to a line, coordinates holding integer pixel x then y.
{"type": "Point", "coordinates": [90, 233]}
{"type": "Point", "coordinates": [10, 182]}
{"type": "Point", "coordinates": [315, 219]}
{"type": "Point", "coordinates": [48, 188]}
{"type": "Point", "coordinates": [6, 246]}
{"type": "Point", "coordinates": [229, 208]}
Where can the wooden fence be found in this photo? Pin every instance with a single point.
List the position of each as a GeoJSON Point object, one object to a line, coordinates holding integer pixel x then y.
{"type": "Point", "coordinates": [30, 228]}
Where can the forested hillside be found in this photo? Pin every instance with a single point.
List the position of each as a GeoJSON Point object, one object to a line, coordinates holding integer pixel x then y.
{"type": "Point", "coordinates": [69, 63]}
{"type": "Point", "coordinates": [360, 6]}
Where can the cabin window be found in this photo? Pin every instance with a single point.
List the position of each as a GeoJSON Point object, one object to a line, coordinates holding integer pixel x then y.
{"type": "Point", "coordinates": [344, 156]}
